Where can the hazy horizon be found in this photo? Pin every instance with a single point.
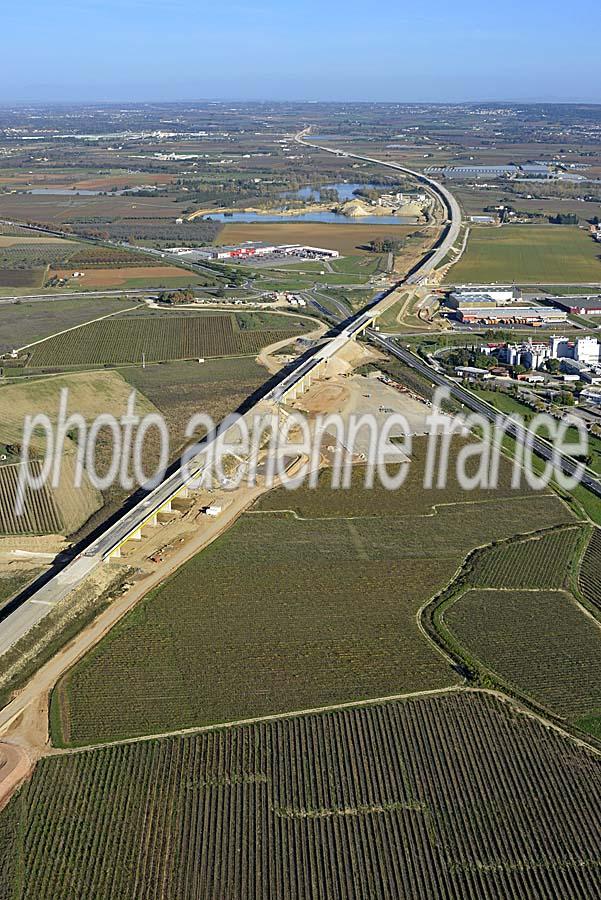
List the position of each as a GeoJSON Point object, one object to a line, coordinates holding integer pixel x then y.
{"type": "Point", "coordinates": [116, 101]}
{"type": "Point", "coordinates": [152, 51]}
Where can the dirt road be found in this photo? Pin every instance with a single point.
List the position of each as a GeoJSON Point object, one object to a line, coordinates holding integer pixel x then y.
{"type": "Point", "coordinates": [15, 766]}
{"type": "Point", "coordinates": [31, 729]}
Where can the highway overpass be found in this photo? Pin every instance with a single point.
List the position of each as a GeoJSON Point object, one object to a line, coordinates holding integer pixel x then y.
{"type": "Point", "coordinates": [287, 386]}
{"type": "Point", "coordinates": [130, 525]}
{"type": "Point", "coordinates": [541, 447]}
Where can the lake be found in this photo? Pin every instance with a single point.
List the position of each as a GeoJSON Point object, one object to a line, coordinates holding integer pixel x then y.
{"type": "Point", "coordinates": [345, 190]}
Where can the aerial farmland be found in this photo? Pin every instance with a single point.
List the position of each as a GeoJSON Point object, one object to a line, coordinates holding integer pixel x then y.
{"type": "Point", "coordinates": [255, 680]}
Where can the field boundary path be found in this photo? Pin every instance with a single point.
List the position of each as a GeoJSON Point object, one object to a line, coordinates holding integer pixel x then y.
{"type": "Point", "coordinates": [43, 681]}
{"type": "Point", "coordinates": [48, 337]}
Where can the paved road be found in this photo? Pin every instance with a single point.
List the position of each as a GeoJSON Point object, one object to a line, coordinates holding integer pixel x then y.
{"type": "Point", "coordinates": [540, 447]}
{"type": "Point", "coordinates": [450, 204]}
{"type": "Point", "coordinates": [32, 610]}
{"type": "Point", "coordinates": [72, 295]}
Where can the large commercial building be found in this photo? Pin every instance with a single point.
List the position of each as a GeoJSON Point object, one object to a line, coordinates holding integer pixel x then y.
{"type": "Point", "coordinates": [250, 249]}
{"type": "Point", "coordinates": [473, 171]}
{"type": "Point", "coordinates": [581, 357]}
{"type": "Point", "coordinates": [461, 297]}
{"type": "Point", "coordinates": [574, 367]}
{"type": "Point", "coordinates": [511, 315]}
{"type": "Point", "coordinates": [579, 306]}
{"type": "Point", "coordinates": [591, 395]}
{"type": "Point", "coordinates": [586, 350]}
{"type": "Point", "coordinates": [560, 347]}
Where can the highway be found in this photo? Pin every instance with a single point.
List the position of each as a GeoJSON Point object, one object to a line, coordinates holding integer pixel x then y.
{"type": "Point", "coordinates": [450, 204]}
{"type": "Point", "coordinates": [541, 447]}
{"type": "Point", "coordinates": [471, 401]}
{"type": "Point", "coordinates": [23, 615]}
{"type": "Point", "coordinates": [34, 608]}
{"type": "Point", "coordinates": [71, 295]}
{"type": "Point", "coordinates": [467, 398]}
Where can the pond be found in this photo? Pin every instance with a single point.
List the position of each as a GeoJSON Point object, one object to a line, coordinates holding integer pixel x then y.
{"type": "Point", "coordinates": [346, 190]}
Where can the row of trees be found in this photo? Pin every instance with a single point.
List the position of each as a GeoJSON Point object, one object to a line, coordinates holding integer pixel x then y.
{"type": "Point", "coordinates": [173, 298]}
{"type": "Point", "coordinates": [564, 219]}
{"type": "Point", "coordinates": [386, 245]}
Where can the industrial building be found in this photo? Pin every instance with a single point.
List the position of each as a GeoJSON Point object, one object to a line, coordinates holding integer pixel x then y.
{"type": "Point", "coordinates": [532, 356]}
{"type": "Point", "coordinates": [473, 171]}
{"type": "Point", "coordinates": [574, 367]}
{"type": "Point", "coordinates": [479, 296]}
{"type": "Point", "coordinates": [250, 249]}
{"type": "Point", "coordinates": [581, 358]}
{"type": "Point", "coordinates": [579, 306]}
{"type": "Point", "coordinates": [591, 395]}
{"type": "Point", "coordinates": [514, 315]}
{"type": "Point", "coordinates": [534, 170]}
{"type": "Point", "coordinates": [472, 372]}
{"type": "Point", "coordinates": [560, 347]}
{"type": "Point", "coordinates": [586, 350]}
{"type": "Point", "coordinates": [591, 373]}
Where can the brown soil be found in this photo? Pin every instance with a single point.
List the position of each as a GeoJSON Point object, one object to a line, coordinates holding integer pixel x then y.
{"type": "Point", "coordinates": [15, 766]}
{"type": "Point", "coordinates": [325, 398]}
{"type": "Point", "coordinates": [347, 239]}
{"type": "Point", "coordinates": [99, 278]}
{"type": "Point", "coordinates": [120, 181]}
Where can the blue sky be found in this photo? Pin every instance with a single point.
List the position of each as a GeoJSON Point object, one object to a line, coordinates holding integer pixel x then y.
{"type": "Point", "coordinates": [329, 50]}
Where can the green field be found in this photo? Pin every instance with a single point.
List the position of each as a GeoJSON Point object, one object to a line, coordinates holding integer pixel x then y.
{"type": "Point", "coordinates": [409, 499]}
{"type": "Point", "coordinates": [542, 563]}
{"type": "Point", "coordinates": [22, 278]}
{"type": "Point", "coordinates": [509, 405]}
{"type": "Point", "coordinates": [23, 323]}
{"type": "Point", "coordinates": [540, 642]}
{"type": "Point", "coordinates": [589, 580]}
{"type": "Point", "coordinates": [11, 584]}
{"type": "Point", "coordinates": [89, 394]}
{"type": "Point", "coordinates": [129, 340]}
{"type": "Point", "coordinates": [31, 253]}
{"type": "Point", "coordinates": [177, 389]}
{"type": "Point", "coordinates": [89, 256]}
{"type": "Point", "coordinates": [566, 290]}
{"type": "Point", "coordinates": [360, 265]}
{"type": "Point", "coordinates": [350, 239]}
{"type": "Point", "coordinates": [459, 790]}
{"type": "Point", "coordinates": [284, 613]}
{"type": "Point", "coordinates": [515, 615]}
{"type": "Point", "coordinates": [528, 253]}
{"type": "Point", "coordinates": [181, 389]}
{"type": "Point", "coordinates": [41, 513]}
